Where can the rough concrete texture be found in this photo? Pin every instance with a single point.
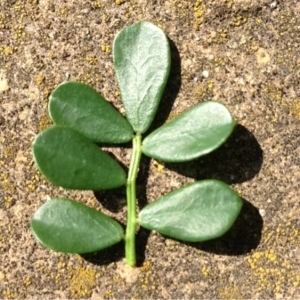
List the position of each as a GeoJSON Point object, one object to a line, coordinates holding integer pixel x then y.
{"type": "Point", "coordinates": [244, 53]}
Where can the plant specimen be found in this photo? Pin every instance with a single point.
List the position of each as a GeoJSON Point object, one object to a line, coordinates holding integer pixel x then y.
{"type": "Point", "coordinates": [68, 155]}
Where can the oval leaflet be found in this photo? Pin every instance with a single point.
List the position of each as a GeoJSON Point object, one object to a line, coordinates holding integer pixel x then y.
{"type": "Point", "coordinates": [66, 225]}
{"type": "Point", "coordinates": [70, 160]}
{"type": "Point", "coordinates": [80, 107]}
{"type": "Point", "coordinates": [142, 61]}
{"type": "Point", "coordinates": [194, 133]}
{"type": "Point", "coordinates": [197, 212]}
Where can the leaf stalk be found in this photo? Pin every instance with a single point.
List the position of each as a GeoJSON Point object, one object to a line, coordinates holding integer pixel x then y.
{"type": "Point", "coordinates": [130, 251]}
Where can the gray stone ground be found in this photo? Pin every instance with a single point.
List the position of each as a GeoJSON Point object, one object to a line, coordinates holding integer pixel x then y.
{"type": "Point", "coordinates": [244, 53]}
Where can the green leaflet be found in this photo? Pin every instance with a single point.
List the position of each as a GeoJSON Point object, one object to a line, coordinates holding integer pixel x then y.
{"type": "Point", "coordinates": [70, 160]}
{"type": "Point", "coordinates": [196, 132]}
{"type": "Point", "coordinates": [142, 62]}
{"type": "Point", "coordinates": [197, 212]}
{"type": "Point", "coordinates": [68, 226]}
{"type": "Point", "coordinates": [80, 107]}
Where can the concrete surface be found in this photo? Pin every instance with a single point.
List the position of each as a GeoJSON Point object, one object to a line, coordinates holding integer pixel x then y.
{"type": "Point", "coordinates": [244, 53]}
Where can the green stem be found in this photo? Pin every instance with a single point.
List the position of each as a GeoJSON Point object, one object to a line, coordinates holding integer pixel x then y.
{"type": "Point", "coordinates": [131, 200]}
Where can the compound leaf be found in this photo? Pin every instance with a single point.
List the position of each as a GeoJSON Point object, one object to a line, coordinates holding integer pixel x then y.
{"type": "Point", "coordinates": [68, 226]}
{"type": "Point", "coordinates": [142, 62]}
{"type": "Point", "coordinates": [80, 107]}
{"type": "Point", "coordinates": [70, 160]}
{"type": "Point", "coordinates": [197, 212]}
{"type": "Point", "coordinates": [196, 132]}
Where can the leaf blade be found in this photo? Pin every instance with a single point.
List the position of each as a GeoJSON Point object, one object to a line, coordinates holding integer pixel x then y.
{"type": "Point", "coordinates": [65, 225]}
{"type": "Point", "coordinates": [195, 213]}
{"type": "Point", "coordinates": [70, 160]}
{"type": "Point", "coordinates": [83, 109]}
{"type": "Point", "coordinates": [142, 61]}
{"type": "Point", "coordinates": [194, 133]}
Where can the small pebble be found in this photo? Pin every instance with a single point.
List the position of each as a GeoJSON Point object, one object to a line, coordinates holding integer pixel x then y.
{"type": "Point", "coordinates": [205, 73]}
{"type": "Point", "coordinates": [85, 11]}
{"type": "Point", "coordinates": [262, 212]}
{"type": "Point", "coordinates": [273, 5]}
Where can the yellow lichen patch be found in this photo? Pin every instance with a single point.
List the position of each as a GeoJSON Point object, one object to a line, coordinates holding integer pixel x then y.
{"type": "Point", "coordinates": [199, 10]}
{"type": "Point", "coordinates": [19, 6]}
{"type": "Point", "coordinates": [147, 279]}
{"type": "Point", "coordinates": [146, 266]}
{"type": "Point", "coordinates": [288, 52]}
{"type": "Point", "coordinates": [6, 51]}
{"type": "Point", "coordinates": [9, 188]}
{"type": "Point", "coordinates": [9, 201]}
{"type": "Point", "coordinates": [46, 92]}
{"type": "Point", "coordinates": [106, 48]}
{"type": "Point", "coordinates": [2, 22]}
{"type": "Point", "coordinates": [89, 77]}
{"type": "Point", "coordinates": [34, 182]}
{"type": "Point", "coordinates": [19, 31]}
{"type": "Point", "coordinates": [239, 21]}
{"type": "Point", "coordinates": [97, 4]}
{"type": "Point", "coordinates": [39, 79]}
{"type": "Point", "coordinates": [56, 277]}
{"type": "Point", "coordinates": [210, 85]}
{"type": "Point", "coordinates": [253, 48]}
{"type": "Point", "coordinates": [271, 269]}
{"type": "Point", "coordinates": [9, 293]}
{"type": "Point", "coordinates": [258, 21]}
{"type": "Point", "coordinates": [91, 59]}
{"type": "Point", "coordinates": [5, 235]}
{"type": "Point", "coordinates": [295, 108]}
{"type": "Point", "coordinates": [219, 61]}
{"type": "Point", "coordinates": [27, 281]}
{"type": "Point", "coordinates": [272, 92]}
{"type": "Point", "coordinates": [272, 119]}
{"type": "Point", "coordinates": [204, 87]}
{"type": "Point", "coordinates": [109, 294]}
{"type": "Point", "coordinates": [222, 35]}
{"type": "Point", "coordinates": [7, 185]}
{"type": "Point", "coordinates": [205, 271]}
{"type": "Point", "coordinates": [200, 90]}
{"type": "Point", "coordinates": [62, 11]}
{"type": "Point", "coordinates": [82, 281]}
{"type": "Point", "coordinates": [182, 10]}
{"type": "Point", "coordinates": [9, 152]}
{"type": "Point", "coordinates": [229, 4]}
{"type": "Point", "coordinates": [159, 167]}
{"type": "Point", "coordinates": [44, 122]}
{"type": "Point", "coordinates": [119, 2]}
{"type": "Point", "coordinates": [230, 292]}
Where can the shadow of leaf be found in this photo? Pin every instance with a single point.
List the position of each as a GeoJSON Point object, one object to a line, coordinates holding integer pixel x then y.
{"type": "Point", "coordinates": [236, 161]}
{"type": "Point", "coordinates": [244, 235]}
{"type": "Point", "coordinates": [106, 256]}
